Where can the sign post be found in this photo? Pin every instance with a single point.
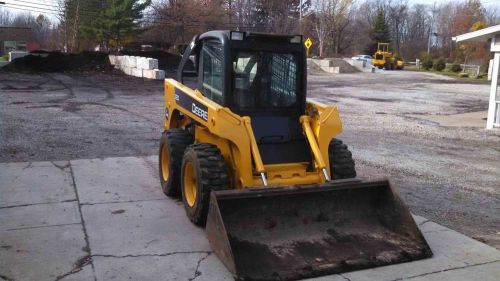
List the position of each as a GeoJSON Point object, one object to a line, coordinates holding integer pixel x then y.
{"type": "Point", "coordinates": [308, 43]}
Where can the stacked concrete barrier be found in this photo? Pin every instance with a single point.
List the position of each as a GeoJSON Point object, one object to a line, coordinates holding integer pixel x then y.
{"type": "Point", "coordinates": [17, 54]}
{"type": "Point", "coordinates": [138, 66]}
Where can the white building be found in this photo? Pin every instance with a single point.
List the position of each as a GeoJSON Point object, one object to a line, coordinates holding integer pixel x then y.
{"type": "Point", "coordinates": [490, 33]}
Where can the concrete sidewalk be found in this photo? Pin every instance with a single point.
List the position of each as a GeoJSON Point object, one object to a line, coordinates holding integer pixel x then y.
{"type": "Point", "coordinates": [107, 219]}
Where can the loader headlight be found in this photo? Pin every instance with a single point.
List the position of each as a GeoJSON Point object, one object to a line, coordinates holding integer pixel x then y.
{"type": "Point", "coordinates": [166, 113]}
{"type": "Point", "coordinates": [237, 35]}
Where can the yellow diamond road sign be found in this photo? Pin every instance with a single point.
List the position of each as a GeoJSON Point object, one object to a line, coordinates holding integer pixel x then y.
{"type": "Point", "coordinates": [308, 43]}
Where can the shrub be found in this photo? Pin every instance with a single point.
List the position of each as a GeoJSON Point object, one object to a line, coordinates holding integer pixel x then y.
{"type": "Point", "coordinates": [5, 57]}
{"type": "Point", "coordinates": [455, 67]}
{"type": "Point", "coordinates": [427, 64]}
{"type": "Point", "coordinates": [423, 56]}
{"type": "Point", "coordinates": [439, 65]}
{"type": "Point", "coordinates": [463, 75]}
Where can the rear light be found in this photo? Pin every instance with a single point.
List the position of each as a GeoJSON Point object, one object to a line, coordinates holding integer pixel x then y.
{"type": "Point", "coordinates": [237, 35]}
{"type": "Point", "coordinates": [297, 39]}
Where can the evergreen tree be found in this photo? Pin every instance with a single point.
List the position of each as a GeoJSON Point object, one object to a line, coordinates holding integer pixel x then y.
{"type": "Point", "coordinates": [117, 22]}
{"type": "Point", "coordinates": [380, 32]}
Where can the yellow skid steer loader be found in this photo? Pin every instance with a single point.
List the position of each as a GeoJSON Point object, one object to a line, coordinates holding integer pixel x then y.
{"type": "Point", "coordinates": [261, 166]}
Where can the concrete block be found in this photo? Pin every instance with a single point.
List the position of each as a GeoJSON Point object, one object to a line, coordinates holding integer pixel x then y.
{"type": "Point", "coordinates": [17, 54]}
{"type": "Point", "coordinates": [483, 272]}
{"type": "Point", "coordinates": [147, 63]}
{"type": "Point", "coordinates": [323, 62]}
{"type": "Point", "coordinates": [112, 59]}
{"type": "Point", "coordinates": [139, 228]}
{"type": "Point", "coordinates": [125, 69]}
{"type": "Point", "coordinates": [35, 182]}
{"type": "Point", "coordinates": [116, 180]}
{"type": "Point", "coordinates": [141, 62]}
{"type": "Point", "coordinates": [41, 253]}
{"type": "Point", "coordinates": [39, 215]}
{"type": "Point", "coordinates": [148, 73]}
{"type": "Point", "coordinates": [334, 69]}
{"type": "Point", "coordinates": [159, 74]}
{"type": "Point", "coordinates": [156, 74]}
{"type": "Point", "coordinates": [119, 60]}
{"type": "Point", "coordinates": [137, 72]}
{"type": "Point", "coordinates": [131, 61]}
{"type": "Point", "coordinates": [153, 63]}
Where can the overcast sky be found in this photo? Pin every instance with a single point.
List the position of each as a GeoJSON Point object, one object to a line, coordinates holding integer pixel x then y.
{"type": "Point", "coordinates": [430, 2]}
{"type": "Point", "coordinates": [49, 4]}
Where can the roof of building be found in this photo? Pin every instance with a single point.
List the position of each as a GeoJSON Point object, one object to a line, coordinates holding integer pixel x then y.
{"type": "Point", "coordinates": [481, 35]}
{"type": "Point", "coordinates": [12, 33]}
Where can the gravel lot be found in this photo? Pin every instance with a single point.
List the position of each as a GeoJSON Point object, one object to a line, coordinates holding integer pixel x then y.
{"type": "Point", "coordinates": [450, 175]}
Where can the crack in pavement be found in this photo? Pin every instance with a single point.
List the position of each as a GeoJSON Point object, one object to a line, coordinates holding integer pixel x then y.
{"type": "Point", "coordinates": [347, 279]}
{"type": "Point", "coordinates": [197, 272]}
{"type": "Point", "coordinates": [77, 267]}
{"type": "Point", "coordinates": [126, 201]}
{"type": "Point", "coordinates": [62, 168]}
{"type": "Point", "coordinates": [34, 204]}
{"type": "Point", "coordinates": [153, 255]}
{"type": "Point", "coordinates": [84, 228]}
{"type": "Point", "coordinates": [444, 270]}
{"type": "Point", "coordinates": [424, 222]}
{"type": "Point", "coordinates": [40, 226]}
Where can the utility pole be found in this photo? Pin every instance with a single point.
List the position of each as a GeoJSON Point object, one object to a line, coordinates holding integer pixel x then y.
{"type": "Point", "coordinates": [429, 41]}
{"type": "Point", "coordinates": [300, 17]}
{"type": "Point", "coordinates": [75, 25]}
{"type": "Point", "coordinates": [65, 27]}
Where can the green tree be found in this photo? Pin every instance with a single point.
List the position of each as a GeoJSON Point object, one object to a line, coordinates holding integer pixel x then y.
{"type": "Point", "coordinates": [117, 23]}
{"type": "Point", "coordinates": [379, 32]}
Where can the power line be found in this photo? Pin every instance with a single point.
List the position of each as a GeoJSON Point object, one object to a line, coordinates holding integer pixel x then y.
{"type": "Point", "coordinates": [150, 18]}
{"type": "Point", "coordinates": [29, 10]}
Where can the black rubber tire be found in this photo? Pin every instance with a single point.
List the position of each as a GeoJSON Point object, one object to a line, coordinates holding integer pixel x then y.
{"type": "Point", "coordinates": [211, 174]}
{"type": "Point", "coordinates": [342, 165]}
{"type": "Point", "coordinates": [175, 142]}
{"type": "Point", "coordinates": [388, 65]}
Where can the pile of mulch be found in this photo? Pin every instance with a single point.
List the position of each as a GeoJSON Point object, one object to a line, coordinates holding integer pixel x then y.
{"type": "Point", "coordinates": [41, 61]}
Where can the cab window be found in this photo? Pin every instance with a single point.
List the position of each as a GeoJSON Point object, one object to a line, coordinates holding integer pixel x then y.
{"type": "Point", "coordinates": [212, 60]}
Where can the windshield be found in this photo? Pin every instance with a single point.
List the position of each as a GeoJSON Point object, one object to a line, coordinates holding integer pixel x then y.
{"type": "Point", "coordinates": [265, 80]}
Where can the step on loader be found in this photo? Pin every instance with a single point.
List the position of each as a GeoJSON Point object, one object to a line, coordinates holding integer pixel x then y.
{"type": "Point", "coordinates": [261, 166]}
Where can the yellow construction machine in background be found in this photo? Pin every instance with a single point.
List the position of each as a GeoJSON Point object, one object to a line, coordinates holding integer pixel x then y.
{"type": "Point", "coordinates": [263, 168]}
{"type": "Point", "coordinates": [383, 58]}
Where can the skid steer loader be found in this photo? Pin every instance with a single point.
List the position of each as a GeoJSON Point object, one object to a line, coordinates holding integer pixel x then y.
{"type": "Point", "coordinates": [261, 166]}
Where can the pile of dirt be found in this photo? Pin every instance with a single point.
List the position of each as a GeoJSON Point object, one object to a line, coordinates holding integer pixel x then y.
{"type": "Point", "coordinates": [60, 62]}
{"type": "Point", "coordinates": [313, 68]}
{"type": "Point", "coordinates": [166, 61]}
{"type": "Point", "coordinates": [345, 67]}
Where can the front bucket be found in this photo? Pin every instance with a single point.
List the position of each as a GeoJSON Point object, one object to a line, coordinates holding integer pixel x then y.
{"type": "Point", "coordinates": [286, 233]}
